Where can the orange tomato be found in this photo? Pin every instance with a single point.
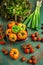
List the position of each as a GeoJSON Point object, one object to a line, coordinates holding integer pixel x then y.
{"type": "Point", "coordinates": [10, 24]}
{"type": "Point", "coordinates": [22, 35]}
{"type": "Point", "coordinates": [12, 37]}
{"type": "Point", "coordinates": [14, 53]}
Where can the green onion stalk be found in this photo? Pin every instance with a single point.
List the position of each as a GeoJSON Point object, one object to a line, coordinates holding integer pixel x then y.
{"type": "Point", "coordinates": [33, 20]}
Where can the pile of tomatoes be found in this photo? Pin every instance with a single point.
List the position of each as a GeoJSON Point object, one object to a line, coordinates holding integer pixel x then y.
{"type": "Point", "coordinates": [27, 48]}
{"type": "Point", "coordinates": [35, 37]}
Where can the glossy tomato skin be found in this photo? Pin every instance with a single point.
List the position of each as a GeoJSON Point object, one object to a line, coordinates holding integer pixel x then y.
{"type": "Point", "coordinates": [23, 59]}
{"type": "Point", "coordinates": [0, 37]}
{"type": "Point", "coordinates": [41, 39]}
{"type": "Point", "coordinates": [34, 39]}
{"type": "Point", "coordinates": [32, 35]}
{"type": "Point", "coordinates": [2, 42]}
{"type": "Point", "coordinates": [33, 57]}
{"type": "Point", "coordinates": [34, 61]}
{"type": "Point", "coordinates": [29, 61]}
{"type": "Point", "coordinates": [31, 50]}
{"type": "Point", "coordinates": [26, 51]}
{"type": "Point", "coordinates": [38, 39]}
{"type": "Point", "coordinates": [36, 34]}
{"type": "Point", "coordinates": [29, 46]}
{"type": "Point", "coordinates": [38, 46]}
{"type": "Point", "coordinates": [3, 50]}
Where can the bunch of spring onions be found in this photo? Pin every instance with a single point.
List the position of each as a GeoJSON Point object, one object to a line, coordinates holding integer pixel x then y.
{"type": "Point", "coordinates": [33, 20]}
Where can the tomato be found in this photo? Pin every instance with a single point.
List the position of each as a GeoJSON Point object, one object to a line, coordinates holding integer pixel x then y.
{"type": "Point", "coordinates": [34, 39]}
{"type": "Point", "coordinates": [38, 39]}
{"type": "Point", "coordinates": [41, 27]}
{"type": "Point", "coordinates": [0, 37]}
{"type": "Point", "coordinates": [33, 57]}
{"type": "Point", "coordinates": [41, 39]}
{"type": "Point", "coordinates": [26, 51]}
{"type": "Point", "coordinates": [29, 46]}
{"type": "Point", "coordinates": [29, 61]}
{"type": "Point", "coordinates": [38, 46]}
{"type": "Point", "coordinates": [34, 61]}
{"type": "Point", "coordinates": [31, 50]}
{"type": "Point", "coordinates": [2, 42]}
{"type": "Point", "coordinates": [32, 35]}
{"type": "Point", "coordinates": [23, 59]}
{"type": "Point", "coordinates": [36, 34]}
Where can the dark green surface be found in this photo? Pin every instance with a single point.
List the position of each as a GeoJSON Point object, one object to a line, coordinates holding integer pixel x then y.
{"type": "Point", "coordinates": [6, 60]}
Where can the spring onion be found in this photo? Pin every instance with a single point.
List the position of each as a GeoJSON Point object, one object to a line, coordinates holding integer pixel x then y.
{"type": "Point", "coordinates": [33, 20]}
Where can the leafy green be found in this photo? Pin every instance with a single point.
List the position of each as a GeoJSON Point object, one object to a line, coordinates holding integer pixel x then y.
{"type": "Point", "coordinates": [15, 8]}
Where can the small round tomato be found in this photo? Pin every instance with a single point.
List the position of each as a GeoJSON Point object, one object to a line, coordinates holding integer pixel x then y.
{"type": "Point", "coordinates": [29, 46]}
{"type": "Point", "coordinates": [36, 34]}
{"type": "Point", "coordinates": [38, 39]}
{"type": "Point", "coordinates": [41, 39]}
{"type": "Point", "coordinates": [3, 50]}
{"type": "Point", "coordinates": [32, 35]}
{"type": "Point", "coordinates": [24, 46]}
{"type": "Point", "coordinates": [23, 59]}
{"type": "Point", "coordinates": [34, 61]}
{"type": "Point", "coordinates": [41, 27]}
{"type": "Point", "coordinates": [1, 37]}
{"type": "Point", "coordinates": [31, 50]}
{"type": "Point", "coordinates": [2, 42]}
{"type": "Point", "coordinates": [26, 51]}
{"type": "Point", "coordinates": [34, 39]}
{"type": "Point", "coordinates": [33, 57]}
{"type": "Point", "coordinates": [29, 61]}
{"type": "Point", "coordinates": [38, 46]}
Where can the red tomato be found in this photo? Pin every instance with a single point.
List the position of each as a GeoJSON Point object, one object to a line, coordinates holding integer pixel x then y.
{"type": "Point", "coordinates": [29, 46]}
{"type": "Point", "coordinates": [31, 50]}
{"type": "Point", "coordinates": [36, 34]}
{"type": "Point", "coordinates": [34, 61]}
{"type": "Point", "coordinates": [30, 61]}
{"type": "Point", "coordinates": [41, 39]}
{"type": "Point", "coordinates": [26, 51]}
{"type": "Point", "coordinates": [32, 35]}
{"type": "Point", "coordinates": [0, 37]}
{"type": "Point", "coordinates": [2, 42]}
{"type": "Point", "coordinates": [33, 57]}
{"type": "Point", "coordinates": [38, 38]}
{"type": "Point", "coordinates": [34, 39]}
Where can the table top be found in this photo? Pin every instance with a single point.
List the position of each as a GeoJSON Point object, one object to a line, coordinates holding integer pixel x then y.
{"type": "Point", "coordinates": [6, 60]}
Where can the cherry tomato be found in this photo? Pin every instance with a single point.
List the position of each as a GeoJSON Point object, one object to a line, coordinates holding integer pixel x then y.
{"type": "Point", "coordinates": [29, 61]}
{"type": "Point", "coordinates": [2, 42]}
{"type": "Point", "coordinates": [31, 50]}
{"type": "Point", "coordinates": [29, 46]}
{"type": "Point", "coordinates": [23, 59]}
{"type": "Point", "coordinates": [33, 57]}
{"type": "Point", "coordinates": [41, 39]}
{"type": "Point", "coordinates": [38, 39]}
{"type": "Point", "coordinates": [36, 34]}
{"type": "Point", "coordinates": [34, 61]}
{"type": "Point", "coordinates": [0, 37]}
{"type": "Point", "coordinates": [41, 27]}
{"type": "Point", "coordinates": [38, 46]}
{"type": "Point", "coordinates": [32, 35]}
{"type": "Point", "coordinates": [34, 39]}
{"type": "Point", "coordinates": [26, 51]}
